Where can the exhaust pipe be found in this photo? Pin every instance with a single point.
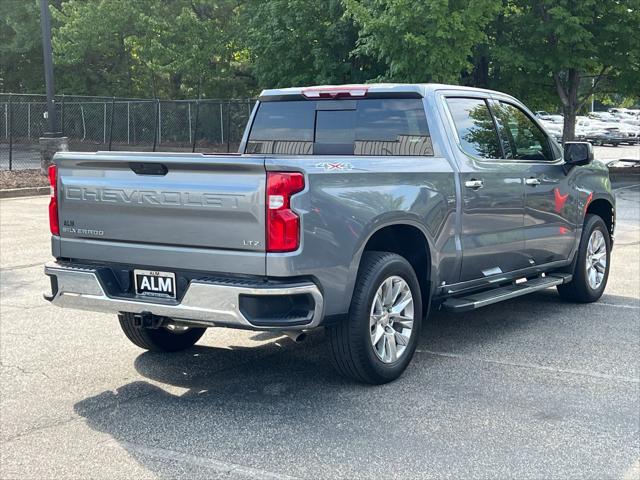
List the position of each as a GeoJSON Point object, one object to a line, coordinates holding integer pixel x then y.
{"type": "Point", "coordinates": [297, 336]}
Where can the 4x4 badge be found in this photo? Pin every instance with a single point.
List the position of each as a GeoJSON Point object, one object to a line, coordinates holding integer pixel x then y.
{"type": "Point", "coordinates": [331, 166]}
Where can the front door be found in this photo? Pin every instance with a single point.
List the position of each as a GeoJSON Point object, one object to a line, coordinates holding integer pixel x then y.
{"type": "Point", "coordinates": [550, 200]}
{"type": "Point", "coordinates": [492, 233]}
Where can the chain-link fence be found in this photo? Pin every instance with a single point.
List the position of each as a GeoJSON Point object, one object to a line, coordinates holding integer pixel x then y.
{"type": "Point", "coordinates": [108, 123]}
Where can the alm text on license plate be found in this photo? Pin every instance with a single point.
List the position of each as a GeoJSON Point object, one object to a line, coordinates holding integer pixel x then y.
{"type": "Point", "coordinates": [154, 283]}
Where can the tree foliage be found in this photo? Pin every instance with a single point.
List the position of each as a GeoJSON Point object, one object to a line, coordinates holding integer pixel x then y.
{"type": "Point", "coordinates": [169, 48]}
{"type": "Point", "coordinates": [554, 54]}
{"type": "Point", "coordinates": [299, 42]}
{"type": "Point", "coordinates": [20, 46]}
{"type": "Point", "coordinates": [569, 50]}
{"type": "Point", "coordinates": [422, 40]}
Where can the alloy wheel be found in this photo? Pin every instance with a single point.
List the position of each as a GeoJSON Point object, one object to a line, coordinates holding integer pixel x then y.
{"type": "Point", "coordinates": [391, 319]}
{"type": "Point", "coordinates": [596, 263]}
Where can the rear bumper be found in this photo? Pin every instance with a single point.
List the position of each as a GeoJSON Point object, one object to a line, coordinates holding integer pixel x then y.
{"type": "Point", "coordinates": [206, 302]}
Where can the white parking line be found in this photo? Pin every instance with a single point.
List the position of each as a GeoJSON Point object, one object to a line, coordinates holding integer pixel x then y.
{"type": "Point", "coordinates": [220, 467]}
{"type": "Point", "coordinates": [533, 366]}
{"type": "Point", "coordinates": [626, 188]}
{"type": "Point", "coordinates": [632, 307]}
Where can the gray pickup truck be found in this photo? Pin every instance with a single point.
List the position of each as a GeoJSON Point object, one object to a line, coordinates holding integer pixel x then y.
{"type": "Point", "coordinates": [355, 208]}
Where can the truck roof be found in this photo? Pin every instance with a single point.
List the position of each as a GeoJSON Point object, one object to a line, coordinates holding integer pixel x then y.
{"type": "Point", "coordinates": [379, 88]}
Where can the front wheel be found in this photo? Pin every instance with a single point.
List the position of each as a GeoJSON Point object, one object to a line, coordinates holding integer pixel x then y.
{"type": "Point", "coordinates": [591, 272]}
{"type": "Point", "coordinates": [169, 338]}
{"type": "Point", "coordinates": [377, 340]}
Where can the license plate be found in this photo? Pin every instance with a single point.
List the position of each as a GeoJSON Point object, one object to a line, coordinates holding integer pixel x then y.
{"type": "Point", "coordinates": [155, 284]}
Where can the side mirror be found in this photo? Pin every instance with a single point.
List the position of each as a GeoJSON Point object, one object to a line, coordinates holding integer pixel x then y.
{"type": "Point", "coordinates": [578, 153]}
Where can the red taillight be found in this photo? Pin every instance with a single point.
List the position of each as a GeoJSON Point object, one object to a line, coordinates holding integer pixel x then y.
{"type": "Point", "coordinates": [335, 91]}
{"type": "Point", "coordinates": [283, 225]}
{"type": "Point", "coordinates": [53, 202]}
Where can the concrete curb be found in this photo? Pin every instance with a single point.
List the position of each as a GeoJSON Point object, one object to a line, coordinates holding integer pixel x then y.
{"type": "Point", "coordinates": [24, 192]}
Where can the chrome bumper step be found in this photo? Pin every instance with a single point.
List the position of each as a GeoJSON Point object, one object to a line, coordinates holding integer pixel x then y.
{"type": "Point", "coordinates": [476, 300]}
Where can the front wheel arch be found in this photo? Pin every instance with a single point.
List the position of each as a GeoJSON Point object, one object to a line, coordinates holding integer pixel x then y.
{"type": "Point", "coordinates": [604, 209]}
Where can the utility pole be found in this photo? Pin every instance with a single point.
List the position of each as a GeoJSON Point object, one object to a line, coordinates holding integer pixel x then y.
{"type": "Point", "coordinates": [52, 141]}
{"type": "Point", "coordinates": [47, 51]}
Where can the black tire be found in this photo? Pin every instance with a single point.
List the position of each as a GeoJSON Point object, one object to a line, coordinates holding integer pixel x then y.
{"type": "Point", "coordinates": [579, 289]}
{"type": "Point", "coordinates": [159, 339]}
{"type": "Point", "coordinates": [352, 352]}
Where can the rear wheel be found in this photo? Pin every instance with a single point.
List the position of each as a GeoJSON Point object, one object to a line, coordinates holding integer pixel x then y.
{"type": "Point", "coordinates": [591, 272]}
{"type": "Point", "coordinates": [377, 340]}
{"type": "Point", "coordinates": [169, 338]}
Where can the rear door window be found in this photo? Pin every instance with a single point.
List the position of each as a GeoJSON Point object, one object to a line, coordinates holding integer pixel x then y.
{"type": "Point", "coordinates": [341, 127]}
{"type": "Point", "coordinates": [475, 126]}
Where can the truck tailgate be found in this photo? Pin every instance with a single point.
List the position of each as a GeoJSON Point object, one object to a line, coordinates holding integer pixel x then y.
{"type": "Point", "coordinates": [181, 200]}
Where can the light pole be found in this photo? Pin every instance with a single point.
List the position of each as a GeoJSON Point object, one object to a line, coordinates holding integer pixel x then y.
{"type": "Point", "coordinates": [47, 53]}
{"type": "Point", "coordinates": [52, 141]}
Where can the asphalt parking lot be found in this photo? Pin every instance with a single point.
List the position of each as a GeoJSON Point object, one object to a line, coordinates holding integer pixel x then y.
{"type": "Point", "coordinates": [531, 388]}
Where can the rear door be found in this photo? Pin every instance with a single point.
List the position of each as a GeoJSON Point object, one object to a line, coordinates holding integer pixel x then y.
{"type": "Point", "coordinates": [492, 193]}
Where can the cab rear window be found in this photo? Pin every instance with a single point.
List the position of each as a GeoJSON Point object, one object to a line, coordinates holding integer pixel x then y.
{"type": "Point", "coordinates": [374, 127]}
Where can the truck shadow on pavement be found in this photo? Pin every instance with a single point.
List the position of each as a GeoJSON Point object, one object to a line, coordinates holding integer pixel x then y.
{"type": "Point", "coordinates": [276, 402]}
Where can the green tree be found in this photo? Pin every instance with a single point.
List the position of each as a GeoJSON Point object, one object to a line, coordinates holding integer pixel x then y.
{"type": "Point", "coordinates": [422, 40]}
{"type": "Point", "coordinates": [197, 45]}
{"type": "Point", "coordinates": [303, 42]}
{"type": "Point", "coordinates": [20, 47]}
{"type": "Point", "coordinates": [569, 50]}
{"type": "Point", "coordinates": [169, 48]}
{"type": "Point", "coordinates": [89, 37]}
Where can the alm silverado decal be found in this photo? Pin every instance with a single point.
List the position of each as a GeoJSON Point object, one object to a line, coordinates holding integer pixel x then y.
{"type": "Point", "coordinates": [69, 226]}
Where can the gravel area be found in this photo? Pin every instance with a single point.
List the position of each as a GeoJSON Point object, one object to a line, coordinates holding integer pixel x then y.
{"type": "Point", "coordinates": [22, 178]}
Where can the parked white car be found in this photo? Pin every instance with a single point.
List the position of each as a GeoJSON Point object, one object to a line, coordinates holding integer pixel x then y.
{"type": "Point", "coordinates": [629, 132]}
{"type": "Point", "coordinates": [554, 129]}
{"type": "Point", "coordinates": [552, 118]}
{"type": "Point", "coordinates": [597, 132]}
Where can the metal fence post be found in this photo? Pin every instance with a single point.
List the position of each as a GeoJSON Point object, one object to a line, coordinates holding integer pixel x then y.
{"type": "Point", "coordinates": [10, 133]}
{"type": "Point", "coordinates": [195, 131]}
{"type": "Point", "coordinates": [189, 110]}
{"type": "Point", "coordinates": [159, 123]}
{"type": "Point", "coordinates": [104, 123]}
{"type": "Point", "coordinates": [228, 126]}
{"type": "Point", "coordinates": [128, 122]}
{"type": "Point", "coordinates": [62, 115]}
{"type": "Point", "coordinates": [113, 104]}
{"type": "Point", "coordinates": [29, 120]}
{"type": "Point", "coordinates": [84, 123]}
{"type": "Point", "coordinates": [221, 126]}
{"type": "Point", "coordinates": [155, 129]}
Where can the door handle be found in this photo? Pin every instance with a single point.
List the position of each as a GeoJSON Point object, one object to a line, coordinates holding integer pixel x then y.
{"type": "Point", "coordinates": [474, 184]}
{"type": "Point", "coordinates": [533, 181]}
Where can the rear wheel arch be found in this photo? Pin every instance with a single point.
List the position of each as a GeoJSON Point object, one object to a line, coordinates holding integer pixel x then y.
{"type": "Point", "coordinates": [410, 242]}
